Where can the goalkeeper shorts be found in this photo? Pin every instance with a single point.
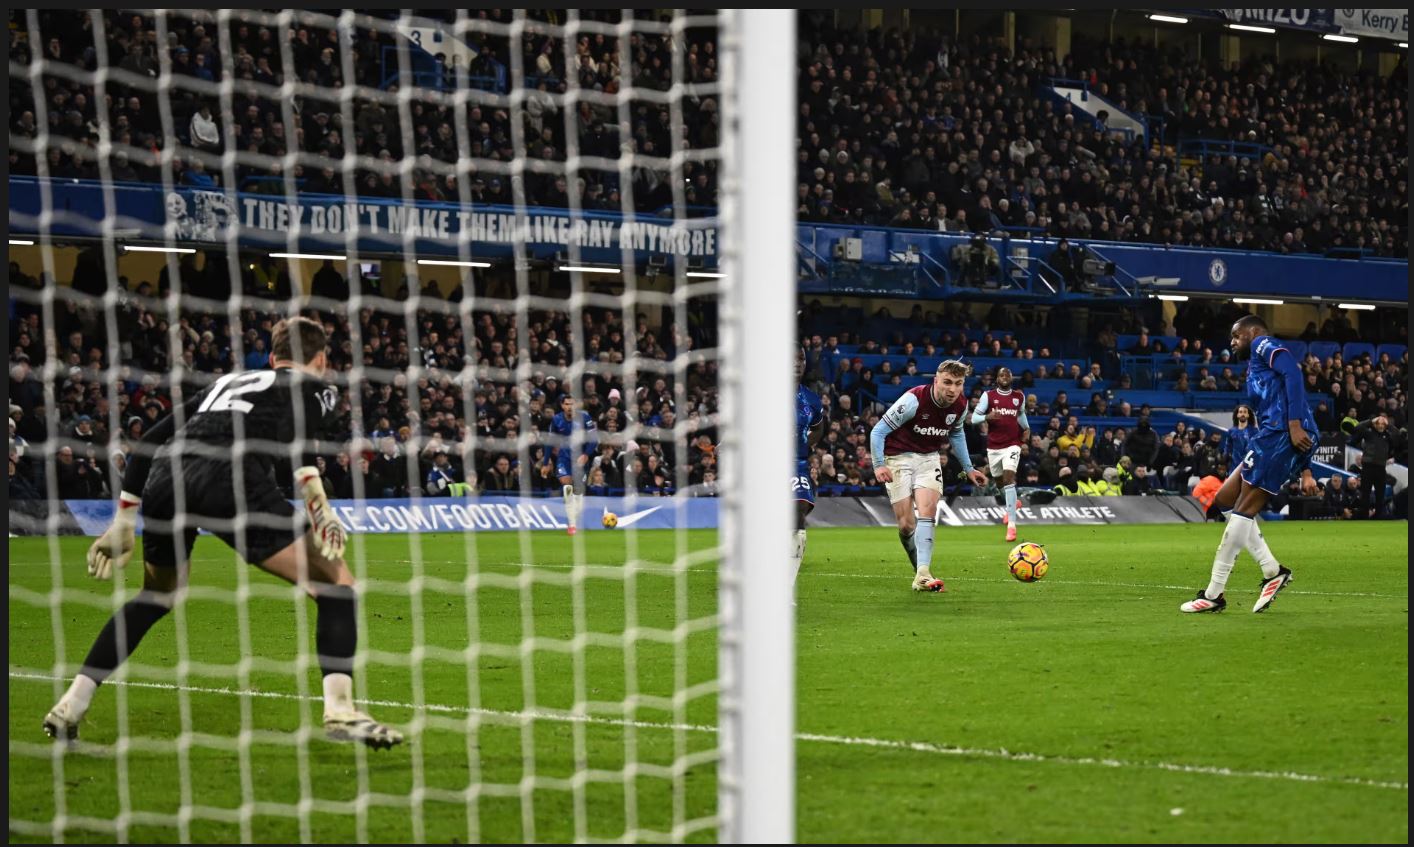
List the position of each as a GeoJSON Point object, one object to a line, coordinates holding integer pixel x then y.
{"type": "Point", "coordinates": [257, 526]}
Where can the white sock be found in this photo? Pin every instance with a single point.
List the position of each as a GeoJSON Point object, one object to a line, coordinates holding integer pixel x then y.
{"type": "Point", "coordinates": [338, 693]}
{"type": "Point", "coordinates": [1010, 492]}
{"type": "Point", "coordinates": [798, 552]}
{"type": "Point", "coordinates": [1257, 546]}
{"type": "Point", "coordinates": [570, 514]}
{"type": "Point", "coordinates": [1234, 538]}
{"type": "Point", "coordinates": [80, 695]}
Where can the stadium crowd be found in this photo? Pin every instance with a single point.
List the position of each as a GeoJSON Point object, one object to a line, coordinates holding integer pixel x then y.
{"type": "Point", "coordinates": [444, 391]}
{"type": "Point", "coordinates": [914, 129]}
{"type": "Point", "coordinates": [261, 123]}
{"type": "Point", "coordinates": [908, 129]}
{"type": "Point", "coordinates": [435, 388]}
{"type": "Point", "coordinates": [1072, 449]}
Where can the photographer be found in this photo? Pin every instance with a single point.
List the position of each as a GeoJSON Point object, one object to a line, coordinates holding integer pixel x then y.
{"type": "Point", "coordinates": [1066, 262]}
{"type": "Point", "coordinates": [977, 262]}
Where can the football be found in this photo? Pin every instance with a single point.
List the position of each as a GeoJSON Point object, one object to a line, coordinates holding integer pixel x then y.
{"type": "Point", "coordinates": [1027, 561]}
{"type": "Point", "coordinates": [611, 520]}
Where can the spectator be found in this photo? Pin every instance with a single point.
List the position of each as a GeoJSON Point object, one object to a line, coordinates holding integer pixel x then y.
{"type": "Point", "coordinates": [501, 478]}
{"type": "Point", "coordinates": [1139, 484]}
{"type": "Point", "coordinates": [1339, 501]}
{"type": "Point", "coordinates": [1142, 446]}
{"type": "Point", "coordinates": [205, 135]}
{"type": "Point", "coordinates": [1377, 441]}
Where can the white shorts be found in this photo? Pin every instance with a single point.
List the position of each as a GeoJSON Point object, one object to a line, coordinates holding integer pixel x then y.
{"type": "Point", "coordinates": [1005, 459]}
{"type": "Point", "coordinates": [913, 470]}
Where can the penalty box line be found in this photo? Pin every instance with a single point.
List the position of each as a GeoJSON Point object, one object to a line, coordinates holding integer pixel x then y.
{"type": "Point", "coordinates": [815, 738]}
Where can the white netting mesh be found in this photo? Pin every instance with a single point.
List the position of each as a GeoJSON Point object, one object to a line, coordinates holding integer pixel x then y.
{"type": "Point", "coordinates": [238, 118]}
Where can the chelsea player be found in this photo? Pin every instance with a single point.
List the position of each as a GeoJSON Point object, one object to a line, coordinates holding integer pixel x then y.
{"type": "Point", "coordinates": [570, 469]}
{"type": "Point", "coordinates": [1281, 448]}
{"type": "Point", "coordinates": [809, 429]}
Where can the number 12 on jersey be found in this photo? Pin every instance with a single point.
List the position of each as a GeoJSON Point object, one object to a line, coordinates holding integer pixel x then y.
{"type": "Point", "coordinates": [224, 393]}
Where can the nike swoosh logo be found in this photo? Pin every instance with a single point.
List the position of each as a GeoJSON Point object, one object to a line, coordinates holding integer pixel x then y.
{"type": "Point", "coordinates": [630, 520]}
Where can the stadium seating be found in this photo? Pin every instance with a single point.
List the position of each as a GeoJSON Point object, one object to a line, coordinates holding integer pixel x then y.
{"type": "Point", "coordinates": [1127, 342]}
{"type": "Point", "coordinates": [1395, 351]}
{"type": "Point", "coordinates": [1358, 348]}
{"type": "Point", "coordinates": [1324, 349]}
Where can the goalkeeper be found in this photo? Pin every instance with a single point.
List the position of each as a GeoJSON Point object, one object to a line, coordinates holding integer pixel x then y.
{"type": "Point", "coordinates": [219, 475]}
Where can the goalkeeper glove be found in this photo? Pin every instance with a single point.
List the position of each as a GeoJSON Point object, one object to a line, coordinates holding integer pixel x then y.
{"type": "Point", "coordinates": [115, 547]}
{"type": "Point", "coordinates": [329, 536]}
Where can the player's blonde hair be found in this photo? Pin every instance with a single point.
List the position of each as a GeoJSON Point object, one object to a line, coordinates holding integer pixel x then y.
{"type": "Point", "coordinates": [955, 367]}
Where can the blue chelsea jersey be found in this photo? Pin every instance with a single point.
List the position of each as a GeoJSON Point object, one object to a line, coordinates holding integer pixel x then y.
{"type": "Point", "coordinates": [808, 412]}
{"type": "Point", "coordinates": [1266, 381]}
{"type": "Point", "coordinates": [562, 426]}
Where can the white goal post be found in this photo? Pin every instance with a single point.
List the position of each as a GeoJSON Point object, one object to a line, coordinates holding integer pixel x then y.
{"type": "Point", "coordinates": [757, 666]}
{"type": "Point", "coordinates": [757, 777]}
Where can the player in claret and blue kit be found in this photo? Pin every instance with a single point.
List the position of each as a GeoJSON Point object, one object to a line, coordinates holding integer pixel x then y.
{"type": "Point", "coordinates": [905, 444]}
{"type": "Point", "coordinates": [1008, 431]}
{"type": "Point", "coordinates": [809, 428]}
{"type": "Point", "coordinates": [1279, 451]}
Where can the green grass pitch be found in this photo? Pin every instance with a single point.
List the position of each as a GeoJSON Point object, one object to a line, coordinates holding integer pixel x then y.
{"type": "Point", "coordinates": [1083, 708]}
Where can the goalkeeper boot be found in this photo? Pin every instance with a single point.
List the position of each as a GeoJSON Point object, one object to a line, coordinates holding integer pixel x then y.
{"type": "Point", "coordinates": [1201, 603]}
{"type": "Point", "coordinates": [925, 581]}
{"type": "Point", "coordinates": [1271, 588]}
{"type": "Point", "coordinates": [62, 722]}
{"type": "Point", "coordinates": [356, 726]}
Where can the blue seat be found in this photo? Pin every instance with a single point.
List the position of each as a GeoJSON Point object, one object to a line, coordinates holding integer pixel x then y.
{"type": "Point", "coordinates": [1217, 400]}
{"type": "Point", "coordinates": [889, 393]}
{"type": "Point", "coordinates": [1358, 348]}
{"type": "Point", "coordinates": [1157, 399]}
{"type": "Point", "coordinates": [1395, 351]}
{"type": "Point", "coordinates": [1323, 349]}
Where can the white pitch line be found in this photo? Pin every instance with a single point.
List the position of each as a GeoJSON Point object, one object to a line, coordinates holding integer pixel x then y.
{"type": "Point", "coordinates": [877, 743]}
{"type": "Point", "coordinates": [668, 569]}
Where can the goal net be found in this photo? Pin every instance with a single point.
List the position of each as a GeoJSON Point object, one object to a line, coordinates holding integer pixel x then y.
{"type": "Point", "coordinates": [497, 217]}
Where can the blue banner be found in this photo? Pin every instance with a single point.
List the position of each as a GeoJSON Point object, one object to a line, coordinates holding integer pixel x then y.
{"type": "Point", "coordinates": [907, 262]}
{"type": "Point", "coordinates": [477, 514]}
{"type": "Point", "coordinates": [324, 222]}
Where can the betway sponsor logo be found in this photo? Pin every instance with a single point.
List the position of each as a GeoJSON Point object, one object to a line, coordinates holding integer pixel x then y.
{"type": "Point", "coordinates": [934, 431]}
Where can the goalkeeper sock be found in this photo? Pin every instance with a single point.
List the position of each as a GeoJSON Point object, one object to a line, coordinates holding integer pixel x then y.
{"type": "Point", "coordinates": [336, 638]}
{"type": "Point", "coordinates": [1234, 537]}
{"type": "Point", "coordinates": [79, 695]}
{"type": "Point", "coordinates": [923, 537]}
{"type": "Point", "coordinates": [138, 616]}
{"type": "Point", "coordinates": [1010, 492]}
{"type": "Point", "coordinates": [906, 539]}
